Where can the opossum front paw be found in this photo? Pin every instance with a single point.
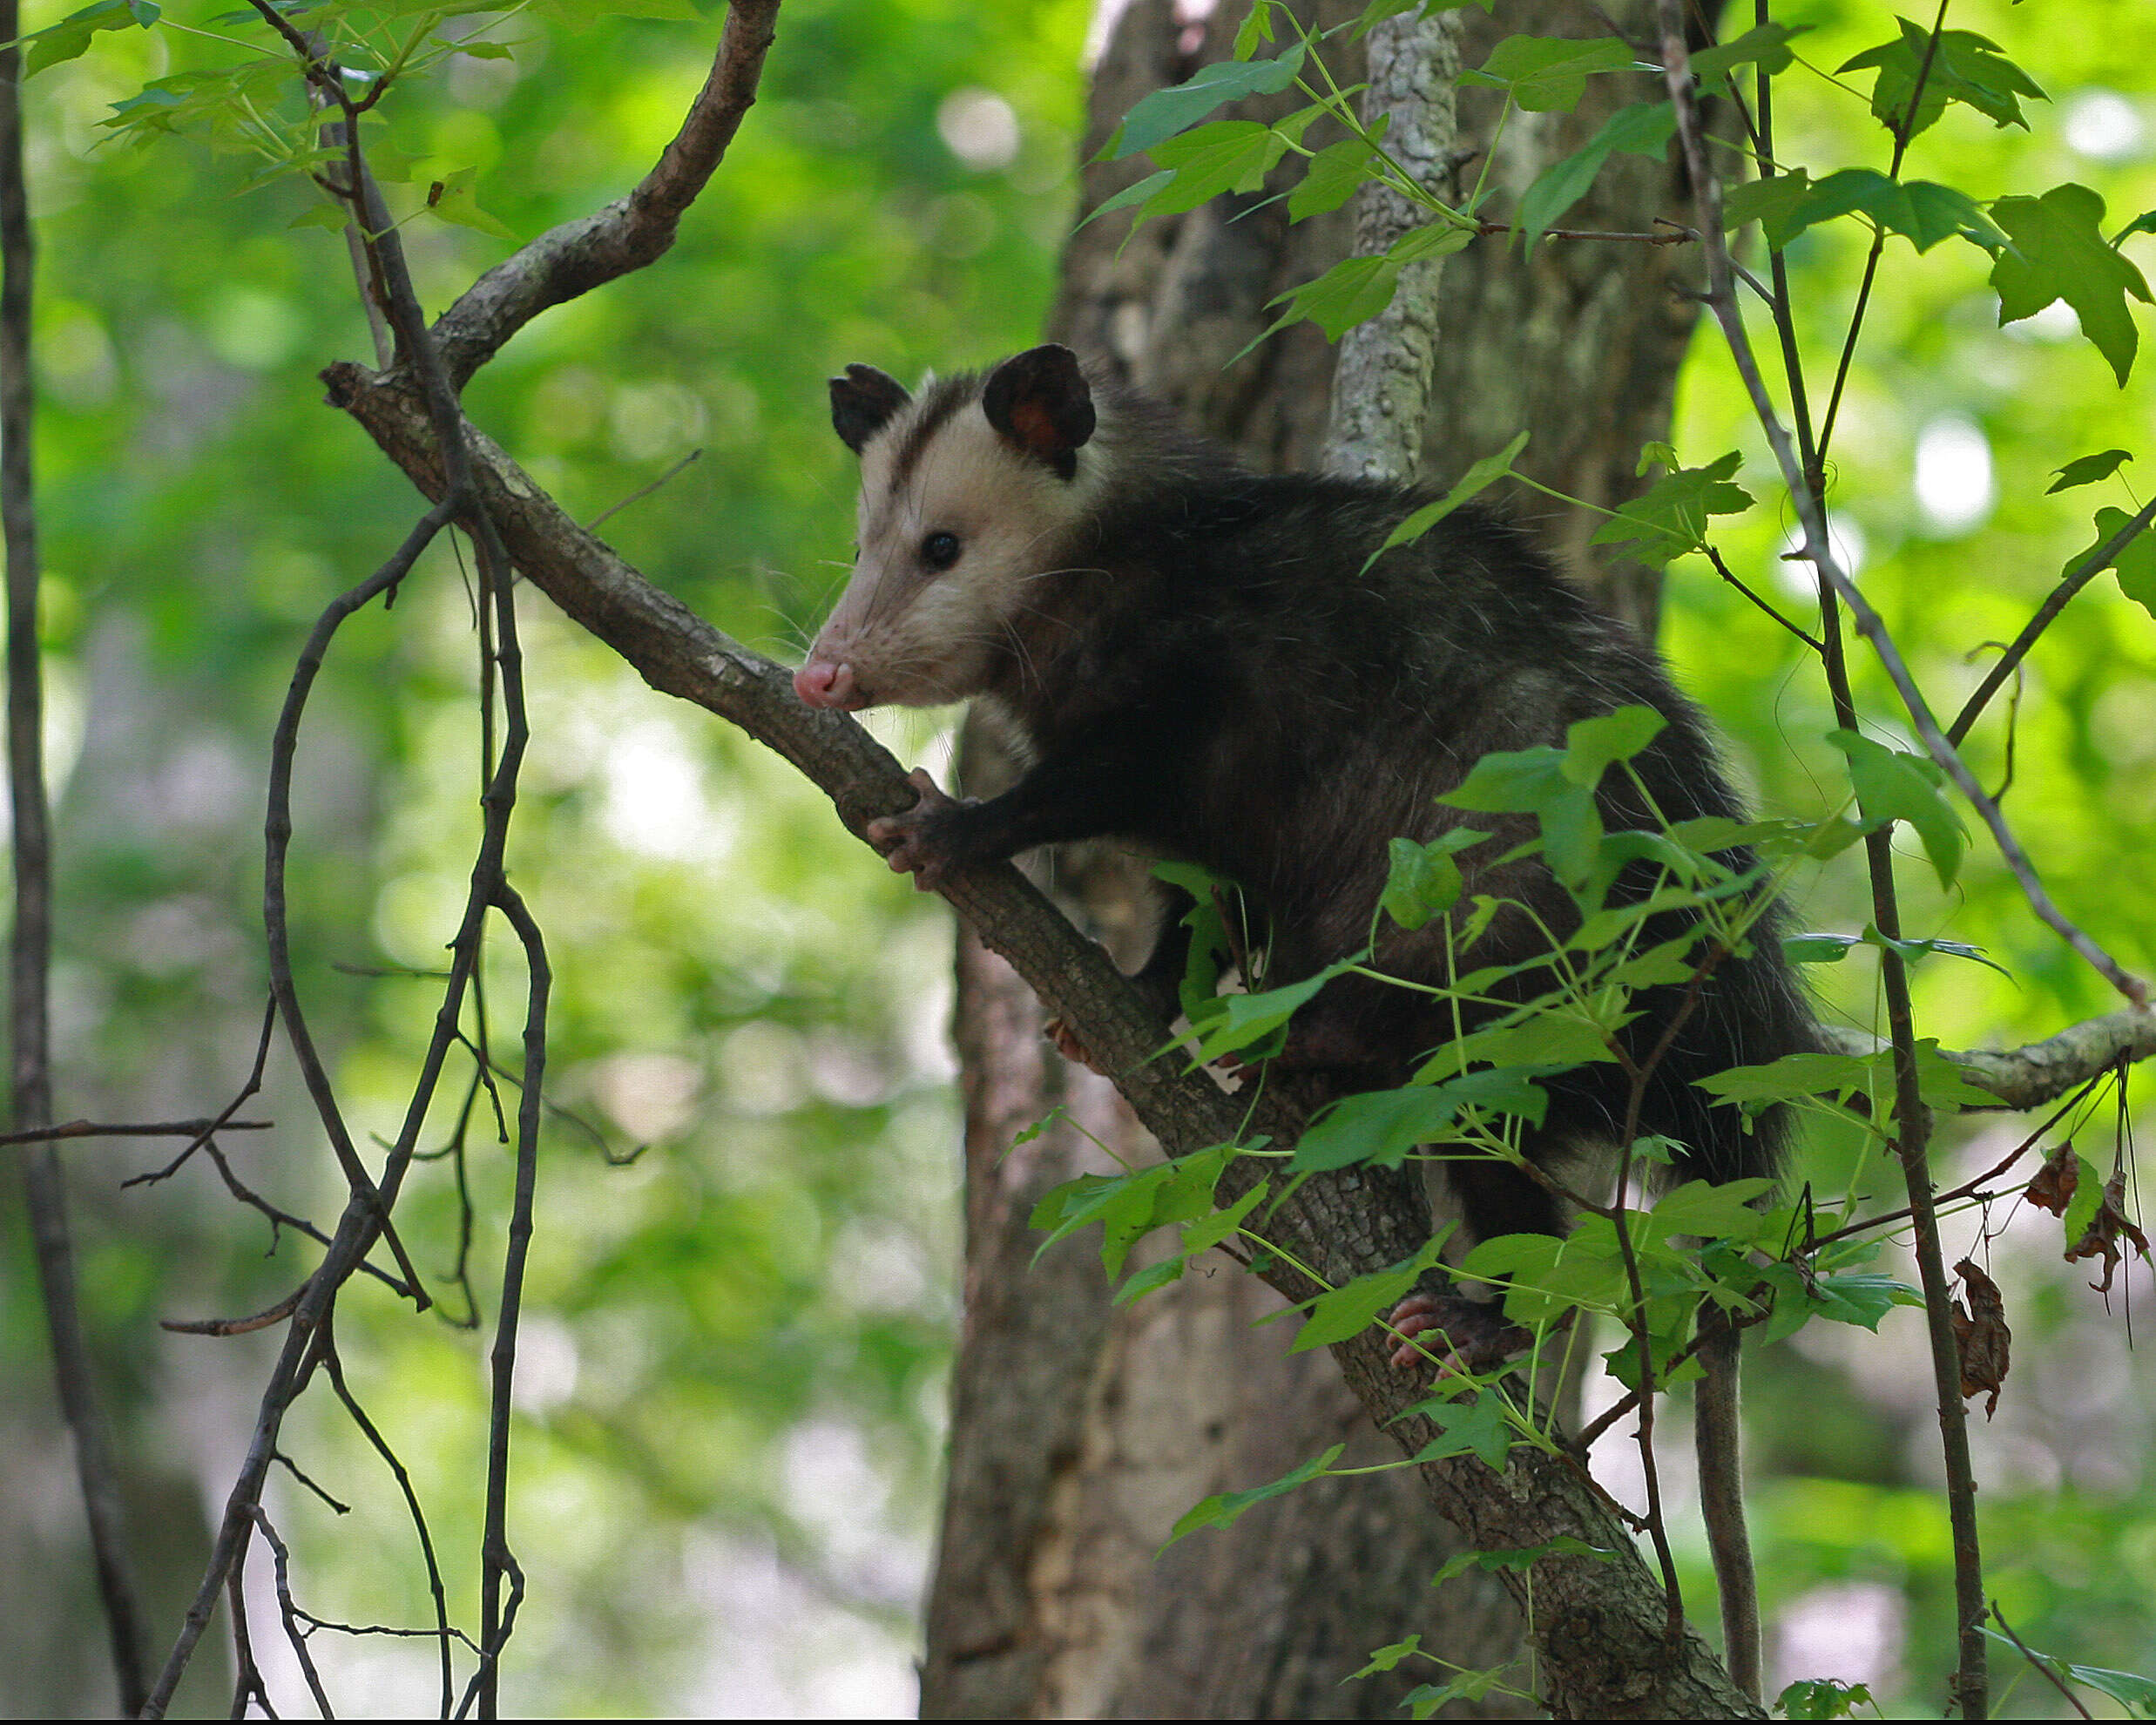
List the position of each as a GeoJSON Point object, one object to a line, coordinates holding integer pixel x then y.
{"type": "Point", "coordinates": [911, 843]}
{"type": "Point", "coordinates": [1472, 1335]}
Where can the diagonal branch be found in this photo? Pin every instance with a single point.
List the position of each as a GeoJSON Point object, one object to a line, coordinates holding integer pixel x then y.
{"type": "Point", "coordinates": [577, 256]}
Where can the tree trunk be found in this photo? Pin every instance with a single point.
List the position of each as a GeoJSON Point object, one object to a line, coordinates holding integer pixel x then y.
{"type": "Point", "coordinates": [1080, 1430]}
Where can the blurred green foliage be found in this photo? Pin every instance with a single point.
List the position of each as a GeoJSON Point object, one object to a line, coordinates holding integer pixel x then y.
{"type": "Point", "coordinates": [733, 1360]}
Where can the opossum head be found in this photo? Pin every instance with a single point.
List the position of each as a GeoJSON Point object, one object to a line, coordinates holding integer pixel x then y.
{"type": "Point", "coordinates": [969, 494]}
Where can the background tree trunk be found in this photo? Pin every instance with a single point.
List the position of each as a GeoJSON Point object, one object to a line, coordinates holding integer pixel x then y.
{"type": "Point", "coordinates": [1080, 1430]}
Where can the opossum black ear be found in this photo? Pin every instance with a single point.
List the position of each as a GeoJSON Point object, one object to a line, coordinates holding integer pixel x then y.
{"type": "Point", "coordinates": [862, 403]}
{"type": "Point", "coordinates": [1039, 401]}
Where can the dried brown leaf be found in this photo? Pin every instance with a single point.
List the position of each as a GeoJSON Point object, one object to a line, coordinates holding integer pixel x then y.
{"type": "Point", "coordinates": [2053, 1188]}
{"type": "Point", "coordinates": [1981, 1334]}
{"type": "Point", "coordinates": [2110, 1224]}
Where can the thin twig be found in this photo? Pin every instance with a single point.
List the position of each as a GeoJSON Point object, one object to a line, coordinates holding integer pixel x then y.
{"type": "Point", "coordinates": [246, 1326]}
{"type": "Point", "coordinates": [246, 1676]}
{"type": "Point", "coordinates": [1669, 236]}
{"type": "Point", "coordinates": [500, 1562]}
{"type": "Point", "coordinates": [2042, 1664]}
{"type": "Point", "coordinates": [642, 491]}
{"type": "Point", "coordinates": [292, 1468]}
{"type": "Point", "coordinates": [1902, 132]}
{"type": "Point", "coordinates": [333, 1365]}
{"type": "Point", "coordinates": [133, 1129]}
{"type": "Point", "coordinates": [2071, 583]}
{"type": "Point", "coordinates": [1723, 570]}
{"type": "Point", "coordinates": [291, 1615]}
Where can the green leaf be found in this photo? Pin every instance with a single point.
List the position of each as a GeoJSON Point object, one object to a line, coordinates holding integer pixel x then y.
{"type": "Point", "coordinates": [70, 38]}
{"type": "Point", "coordinates": [1209, 1231]}
{"type": "Point", "coordinates": [1923, 211]}
{"type": "Point", "coordinates": [1591, 746]}
{"type": "Point", "coordinates": [2134, 1693]}
{"type": "Point", "coordinates": [1385, 1658]}
{"type": "Point", "coordinates": [1941, 1082]}
{"type": "Point", "coordinates": [1895, 785]}
{"type": "Point", "coordinates": [1166, 113]}
{"type": "Point", "coordinates": [1223, 1510]}
{"type": "Point", "coordinates": [1378, 10]}
{"type": "Point", "coordinates": [1765, 45]}
{"type": "Point", "coordinates": [1642, 129]}
{"type": "Point", "coordinates": [453, 198]}
{"type": "Point", "coordinates": [1861, 1297]}
{"type": "Point", "coordinates": [1771, 200]}
{"type": "Point", "coordinates": [1351, 291]}
{"type": "Point", "coordinates": [1353, 1308]}
{"type": "Point", "coordinates": [584, 14]}
{"type": "Point", "coordinates": [1243, 1020]}
{"type": "Point", "coordinates": [1478, 479]}
{"type": "Point", "coordinates": [1225, 156]}
{"type": "Point", "coordinates": [1137, 192]}
{"type": "Point", "coordinates": [2136, 565]}
{"type": "Point", "coordinates": [1822, 1698]}
{"type": "Point", "coordinates": [1548, 74]}
{"type": "Point", "coordinates": [1832, 949]}
{"type": "Point", "coordinates": [1478, 1428]}
{"type": "Point", "coordinates": [1533, 780]}
{"type": "Point", "coordinates": [321, 213]}
{"type": "Point", "coordinates": [1794, 1077]}
{"type": "Point", "coordinates": [2086, 470]}
{"type": "Point", "coordinates": [2059, 253]}
{"type": "Point", "coordinates": [1382, 1126]}
{"type": "Point", "coordinates": [1150, 1279]}
{"type": "Point", "coordinates": [1708, 1211]}
{"type": "Point", "coordinates": [1257, 28]}
{"type": "Point", "coordinates": [484, 51]}
{"type": "Point", "coordinates": [1332, 177]}
{"type": "Point", "coordinates": [1965, 68]}
{"type": "Point", "coordinates": [1423, 1701]}
{"type": "Point", "coordinates": [1129, 1206]}
{"type": "Point", "coordinates": [1424, 879]}
{"type": "Point", "coordinates": [1671, 517]}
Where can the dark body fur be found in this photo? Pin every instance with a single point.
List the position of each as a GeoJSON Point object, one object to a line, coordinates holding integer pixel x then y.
{"type": "Point", "coordinates": [1206, 668]}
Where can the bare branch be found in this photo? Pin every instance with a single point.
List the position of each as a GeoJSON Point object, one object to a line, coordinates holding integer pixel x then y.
{"type": "Point", "coordinates": [630, 232]}
{"type": "Point", "coordinates": [137, 1129]}
{"type": "Point", "coordinates": [2071, 583]}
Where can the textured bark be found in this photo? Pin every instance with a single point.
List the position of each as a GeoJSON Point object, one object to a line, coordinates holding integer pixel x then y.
{"type": "Point", "coordinates": [1381, 391]}
{"type": "Point", "coordinates": [1578, 344]}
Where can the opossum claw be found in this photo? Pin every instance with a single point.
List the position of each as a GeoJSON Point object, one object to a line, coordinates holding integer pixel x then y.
{"type": "Point", "coordinates": [1473, 1334]}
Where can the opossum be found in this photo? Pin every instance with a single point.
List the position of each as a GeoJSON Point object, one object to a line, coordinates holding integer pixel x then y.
{"type": "Point", "coordinates": [1207, 662]}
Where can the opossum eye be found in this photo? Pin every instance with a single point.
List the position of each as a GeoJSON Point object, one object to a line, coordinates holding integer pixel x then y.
{"type": "Point", "coordinates": [939, 551]}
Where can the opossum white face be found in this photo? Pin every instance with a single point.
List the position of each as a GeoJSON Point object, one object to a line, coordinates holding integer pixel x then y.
{"type": "Point", "coordinates": [967, 497]}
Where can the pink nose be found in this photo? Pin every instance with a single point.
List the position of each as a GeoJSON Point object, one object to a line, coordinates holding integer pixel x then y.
{"type": "Point", "coordinates": [821, 683]}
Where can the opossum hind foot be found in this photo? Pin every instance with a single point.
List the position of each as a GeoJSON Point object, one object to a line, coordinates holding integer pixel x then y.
{"type": "Point", "coordinates": [1469, 1335]}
